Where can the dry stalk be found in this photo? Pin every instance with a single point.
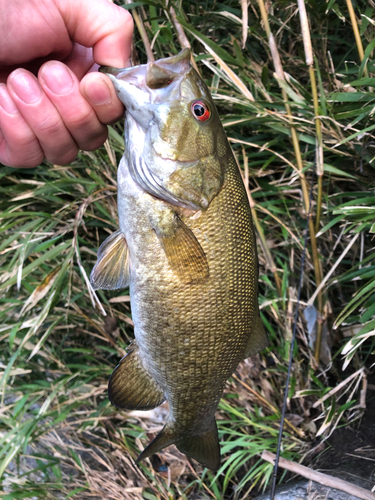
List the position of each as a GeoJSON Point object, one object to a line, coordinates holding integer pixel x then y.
{"type": "Point", "coordinates": [224, 66]}
{"type": "Point", "coordinates": [332, 270]}
{"type": "Point", "coordinates": [360, 373]}
{"type": "Point", "coordinates": [318, 128]}
{"type": "Point", "coordinates": [182, 38]}
{"type": "Point", "coordinates": [314, 249]}
{"type": "Point", "coordinates": [280, 75]}
{"type": "Point", "coordinates": [245, 19]}
{"type": "Point", "coordinates": [142, 32]}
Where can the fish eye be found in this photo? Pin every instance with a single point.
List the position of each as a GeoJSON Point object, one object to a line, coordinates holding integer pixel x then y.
{"type": "Point", "coordinates": [200, 111]}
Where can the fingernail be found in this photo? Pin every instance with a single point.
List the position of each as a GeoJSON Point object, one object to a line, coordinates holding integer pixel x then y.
{"type": "Point", "coordinates": [57, 78]}
{"type": "Point", "coordinates": [25, 85]}
{"type": "Point", "coordinates": [6, 102]}
{"type": "Point", "coordinates": [99, 94]}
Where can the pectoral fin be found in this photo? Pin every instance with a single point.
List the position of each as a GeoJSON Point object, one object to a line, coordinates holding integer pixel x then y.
{"type": "Point", "coordinates": [131, 387]}
{"type": "Point", "coordinates": [111, 270]}
{"type": "Point", "coordinates": [258, 339]}
{"type": "Point", "coordinates": [184, 252]}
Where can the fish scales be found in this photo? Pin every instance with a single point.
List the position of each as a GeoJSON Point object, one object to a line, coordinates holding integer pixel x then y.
{"type": "Point", "coordinates": [206, 315]}
{"type": "Point", "coordinates": [190, 262]}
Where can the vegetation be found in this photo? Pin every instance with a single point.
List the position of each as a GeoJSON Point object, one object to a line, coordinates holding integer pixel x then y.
{"type": "Point", "coordinates": [59, 340]}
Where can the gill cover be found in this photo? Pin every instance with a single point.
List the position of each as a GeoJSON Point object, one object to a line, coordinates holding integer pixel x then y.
{"type": "Point", "coordinates": [172, 152]}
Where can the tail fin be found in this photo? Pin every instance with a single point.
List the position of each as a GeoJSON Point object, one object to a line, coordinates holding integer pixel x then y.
{"type": "Point", "coordinates": [204, 447]}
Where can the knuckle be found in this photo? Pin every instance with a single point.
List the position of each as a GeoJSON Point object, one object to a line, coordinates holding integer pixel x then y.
{"type": "Point", "coordinates": [25, 152]}
{"type": "Point", "coordinates": [25, 160]}
{"type": "Point", "coordinates": [94, 142]}
{"type": "Point", "coordinates": [25, 142]}
{"type": "Point", "coordinates": [32, 162]}
{"type": "Point", "coordinates": [19, 146]}
{"type": "Point", "coordinates": [80, 117]}
{"type": "Point", "coordinates": [63, 158]}
{"type": "Point", "coordinates": [126, 19]}
{"type": "Point", "coordinates": [49, 125]}
{"type": "Point", "coordinates": [111, 115]}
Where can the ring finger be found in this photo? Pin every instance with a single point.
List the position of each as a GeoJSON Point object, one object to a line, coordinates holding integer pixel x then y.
{"type": "Point", "coordinates": [62, 87]}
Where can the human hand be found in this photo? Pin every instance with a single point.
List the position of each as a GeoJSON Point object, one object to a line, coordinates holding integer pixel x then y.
{"type": "Point", "coordinates": [65, 108]}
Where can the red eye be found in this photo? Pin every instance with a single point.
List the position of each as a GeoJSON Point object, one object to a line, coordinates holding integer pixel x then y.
{"type": "Point", "coordinates": [200, 111]}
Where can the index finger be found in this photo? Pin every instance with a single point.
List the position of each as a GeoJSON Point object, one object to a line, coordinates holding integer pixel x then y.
{"type": "Point", "coordinates": [102, 25]}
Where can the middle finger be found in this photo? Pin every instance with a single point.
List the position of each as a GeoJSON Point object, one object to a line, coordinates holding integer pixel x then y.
{"type": "Point", "coordinates": [62, 87]}
{"type": "Point", "coordinates": [42, 117]}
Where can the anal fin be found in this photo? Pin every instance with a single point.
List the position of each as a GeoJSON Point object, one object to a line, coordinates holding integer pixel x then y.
{"type": "Point", "coordinates": [258, 339]}
{"type": "Point", "coordinates": [184, 252]}
{"type": "Point", "coordinates": [165, 438]}
{"type": "Point", "coordinates": [111, 271]}
{"type": "Point", "coordinates": [131, 387]}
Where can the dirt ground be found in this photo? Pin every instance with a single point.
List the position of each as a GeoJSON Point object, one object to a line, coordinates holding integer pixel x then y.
{"type": "Point", "coordinates": [350, 451]}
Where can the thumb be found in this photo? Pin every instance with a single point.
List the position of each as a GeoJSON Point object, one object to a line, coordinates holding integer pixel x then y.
{"type": "Point", "coordinates": [102, 25]}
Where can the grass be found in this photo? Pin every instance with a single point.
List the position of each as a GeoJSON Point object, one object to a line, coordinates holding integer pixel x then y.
{"type": "Point", "coordinates": [59, 437]}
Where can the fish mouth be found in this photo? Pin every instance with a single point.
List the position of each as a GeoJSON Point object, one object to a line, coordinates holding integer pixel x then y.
{"type": "Point", "coordinates": [116, 72]}
{"type": "Point", "coordinates": [158, 74]}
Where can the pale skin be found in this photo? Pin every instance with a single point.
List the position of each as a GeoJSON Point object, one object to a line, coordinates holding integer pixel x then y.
{"type": "Point", "coordinates": [51, 105]}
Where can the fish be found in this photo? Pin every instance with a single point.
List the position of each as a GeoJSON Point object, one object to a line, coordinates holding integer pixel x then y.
{"type": "Point", "coordinates": [186, 249]}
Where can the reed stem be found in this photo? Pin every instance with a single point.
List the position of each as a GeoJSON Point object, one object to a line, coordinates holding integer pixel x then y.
{"type": "Point", "coordinates": [297, 151]}
{"type": "Point", "coordinates": [357, 36]}
{"type": "Point", "coordinates": [319, 202]}
{"type": "Point", "coordinates": [319, 169]}
{"type": "Point", "coordinates": [182, 38]}
{"type": "Point", "coordinates": [319, 158]}
{"type": "Point", "coordinates": [142, 31]}
{"type": "Point", "coordinates": [263, 242]}
{"type": "Point", "coordinates": [266, 251]}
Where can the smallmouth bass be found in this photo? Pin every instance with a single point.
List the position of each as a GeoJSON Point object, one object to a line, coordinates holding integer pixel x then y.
{"type": "Point", "coordinates": [187, 251]}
